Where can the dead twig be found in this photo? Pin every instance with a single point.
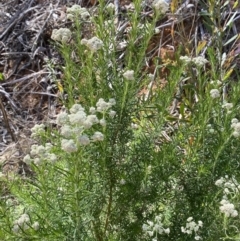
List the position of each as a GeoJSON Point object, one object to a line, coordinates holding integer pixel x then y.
{"type": "Point", "coordinates": [117, 7]}
{"type": "Point", "coordinates": [17, 19]}
{"type": "Point", "coordinates": [34, 46]}
{"type": "Point", "coordinates": [2, 91]}
{"type": "Point", "coordinates": [24, 78]}
{"type": "Point", "coordinates": [5, 118]}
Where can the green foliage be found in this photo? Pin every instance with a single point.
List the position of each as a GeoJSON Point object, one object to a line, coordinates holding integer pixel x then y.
{"type": "Point", "coordinates": [153, 174]}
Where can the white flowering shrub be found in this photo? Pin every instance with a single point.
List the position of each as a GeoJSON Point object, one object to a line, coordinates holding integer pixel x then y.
{"type": "Point", "coordinates": [61, 167]}
{"type": "Point", "coordinates": [145, 143]}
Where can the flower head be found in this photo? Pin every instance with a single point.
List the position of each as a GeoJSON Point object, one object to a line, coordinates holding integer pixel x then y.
{"type": "Point", "coordinates": [75, 108]}
{"type": "Point", "coordinates": [227, 106]}
{"type": "Point", "coordinates": [52, 157]}
{"type": "Point", "coordinates": [37, 130]}
{"type": "Point", "coordinates": [228, 209]}
{"type": "Point", "coordinates": [155, 227]}
{"type": "Point", "coordinates": [23, 219]}
{"type": "Point", "coordinates": [68, 145]}
{"type": "Point", "coordinates": [167, 230]}
{"type": "Point", "coordinates": [62, 35]}
{"type": "Point", "coordinates": [192, 227]}
{"type": "Point", "coordinates": [236, 126]}
{"type": "Point", "coordinates": [94, 44]}
{"type": "Point", "coordinates": [215, 93]}
{"type": "Point", "coordinates": [234, 120]}
{"type": "Point", "coordinates": [110, 6]}
{"type": "Point", "coordinates": [122, 181]}
{"type": "Point", "coordinates": [236, 134]}
{"type": "Point", "coordinates": [102, 122]}
{"type": "Point", "coordinates": [112, 101]}
{"type": "Point", "coordinates": [27, 159]}
{"type": "Point", "coordinates": [67, 131]}
{"type": "Point", "coordinates": [62, 118]}
{"type": "Point", "coordinates": [112, 113]}
{"type": "Point", "coordinates": [77, 10]}
{"type": "Point", "coordinates": [161, 6]}
{"type": "Point", "coordinates": [102, 105]}
{"type": "Point", "coordinates": [35, 226]}
{"type": "Point", "coordinates": [185, 59]}
{"type": "Point", "coordinates": [92, 110]}
{"type": "Point", "coordinates": [90, 120]}
{"type": "Point", "coordinates": [97, 136]}
{"type": "Point", "coordinates": [83, 140]}
{"type": "Point", "coordinates": [77, 118]}
{"type": "Point", "coordinates": [39, 154]}
{"type": "Point", "coordinates": [220, 182]}
{"type": "Point", "coordinates": [129, 75]}
{"type": "Point", "coordinates": [199, 61]}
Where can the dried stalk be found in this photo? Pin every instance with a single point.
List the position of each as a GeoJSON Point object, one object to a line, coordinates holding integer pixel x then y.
{"type": "Point", "coordinates": [5, 118]}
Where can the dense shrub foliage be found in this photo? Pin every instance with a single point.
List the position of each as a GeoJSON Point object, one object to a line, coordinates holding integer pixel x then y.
{"type": "Point", "coordinates": [134, 155]}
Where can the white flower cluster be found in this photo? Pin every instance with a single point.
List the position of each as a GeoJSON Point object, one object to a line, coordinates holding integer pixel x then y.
{"type": "Point", "coordinates": [192, 227]}
{"type": "Point", "coordinates": [129, 75]}
{"type": "Point", "coordinates": [230, 186]}
{"type": "Point", "coordinates": [39, 154]}
{"type": "Point", "coordinates": [103, 106]}
{"type": "Point", "coordinates": [62, 35]}
{"type": "Point", "coordinates": [228, 209]}
{"type": "Point", "coordinates": [24, 223]}
{"type": "Point", "coordinates": [155, 228]}
{"type": "Point", "coordinates": [227, 106]}
{"type": "Point", "coordinates": [74, 124]}
{"type": "Point", "coordinates": [110, 7]}
{"type": "Point", "coordinates": [235, 125]}
{"type": "Point", "coordinates": [216, 83]}
{"type": "Point", "coordinates": [77, 11]}
{"type": "Point", "coordinates": [214, 93]}
{"type": "Point", "coordinates": [37, 130]}
{"type": "Point", "coordinates": [210, 128]}
{"type": "Point", "coordinates": [161, 6]}
{"type": "Point", "coordinates": [94, 44]}
{"type": "Point", "coordinates": [198, 61]}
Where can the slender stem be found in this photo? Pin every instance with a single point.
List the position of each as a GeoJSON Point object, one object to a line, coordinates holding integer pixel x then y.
{"type": "Point", "coordinates": [126, 85]}
{"type": "Point", "coordinates": [76, 183]}
{"type": "Point", "coordinates": [109, 204]}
